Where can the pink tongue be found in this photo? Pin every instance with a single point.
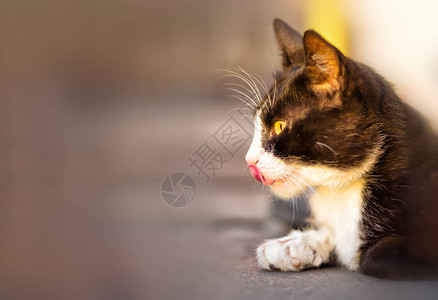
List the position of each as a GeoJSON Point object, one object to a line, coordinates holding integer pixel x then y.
{"type": "Point", "coordinates": [255, 172]}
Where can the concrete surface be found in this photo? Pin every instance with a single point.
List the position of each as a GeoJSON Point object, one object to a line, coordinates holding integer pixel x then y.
{"type": "Point", "coordinates": [99, 229]}
{"type": "Point", "coordinates": [210, 245]}
{"type": "Point", "coordinates": [219, 263]}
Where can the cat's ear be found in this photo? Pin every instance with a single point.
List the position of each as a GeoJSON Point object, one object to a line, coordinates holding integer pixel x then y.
{"type": "Point", "coordinates": [290, 43]}
{"type": "Point", "coordinates": [323, 63]}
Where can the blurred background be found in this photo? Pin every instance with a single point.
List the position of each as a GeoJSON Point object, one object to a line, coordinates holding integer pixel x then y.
{"type": "Point", "coordinates": [102, 100]}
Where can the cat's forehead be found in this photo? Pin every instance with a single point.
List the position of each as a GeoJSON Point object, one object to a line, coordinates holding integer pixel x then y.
{"type": "Point", "coordinates": [287, 98]}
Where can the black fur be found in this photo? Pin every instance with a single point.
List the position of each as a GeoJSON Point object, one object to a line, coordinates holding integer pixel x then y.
{"type": "Point", "coordinates": [328, 98]}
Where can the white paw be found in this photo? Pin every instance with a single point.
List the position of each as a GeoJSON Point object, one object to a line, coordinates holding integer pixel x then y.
{"type": "Point", "coordinates": [295, 252]}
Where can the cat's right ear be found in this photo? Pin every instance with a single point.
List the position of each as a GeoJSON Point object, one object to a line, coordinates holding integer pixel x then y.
{"type": "Point", "coordinates": [323, 63]}
{"type": "Point", "coordinates": [290, 42]}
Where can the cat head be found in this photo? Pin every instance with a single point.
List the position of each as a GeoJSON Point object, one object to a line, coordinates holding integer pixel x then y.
{"type": "Point", "coordinates": [315, 126]}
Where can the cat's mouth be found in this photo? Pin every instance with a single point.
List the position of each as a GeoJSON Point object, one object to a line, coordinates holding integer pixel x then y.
{"type": "Point", "coordinates": [255, 172]}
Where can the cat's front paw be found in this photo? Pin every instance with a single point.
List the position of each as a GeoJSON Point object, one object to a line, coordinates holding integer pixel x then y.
{"type": "Point", "coordinates": [295, 252]}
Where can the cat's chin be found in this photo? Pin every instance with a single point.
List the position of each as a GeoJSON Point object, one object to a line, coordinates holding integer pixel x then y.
{"type": "Point", "coordinates": [285, 190]}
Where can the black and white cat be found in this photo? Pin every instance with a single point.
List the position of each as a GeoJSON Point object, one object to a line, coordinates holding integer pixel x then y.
{"type": "Point", "coordinates": [335, 125]}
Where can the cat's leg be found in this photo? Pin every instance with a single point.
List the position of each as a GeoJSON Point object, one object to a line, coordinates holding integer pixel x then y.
{"type": "Point", "coordinates": [389, 258]}
{"type": "Point", "coordinates": [297, 251]}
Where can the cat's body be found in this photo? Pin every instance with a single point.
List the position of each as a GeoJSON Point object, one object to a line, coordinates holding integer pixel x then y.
{"type": "Point", "coordinates": [335, 125]}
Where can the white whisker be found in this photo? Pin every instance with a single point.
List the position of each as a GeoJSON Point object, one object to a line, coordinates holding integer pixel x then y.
{"type": "Point", "coordinates": [254, 84]}
{"type": "Point", "coordinates": [275, 79]}
{"type": "Point", "coordinates": [250, 105]}
{"type": "Point", "coordinates": [328, 147]}
{"type": "Point", "coordinates": [248, 82]}
{"type": "Point", "coordinates": [243, 94]}
{"type": "Point", "coordinates": [289, 174]}
{"type": "Point", "coordinates": [252, 78]}
{"type": "Point", "coordinates": [242, 86]}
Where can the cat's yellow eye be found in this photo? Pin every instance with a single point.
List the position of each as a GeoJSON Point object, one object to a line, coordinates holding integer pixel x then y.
{"type": "Point", "coordinates": [279, 126]}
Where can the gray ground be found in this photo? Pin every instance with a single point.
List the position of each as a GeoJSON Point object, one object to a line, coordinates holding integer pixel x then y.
{"type": "Point", "coordinates": [210, 246]}
{"type": "Point", "coordinates": [217, 260]}
{"type": "Point", "coordinates": [102, 231]}
{"type": "Point", "coordinates": [99, 104]}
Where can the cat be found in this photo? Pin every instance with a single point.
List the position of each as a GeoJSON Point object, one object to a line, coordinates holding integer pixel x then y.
{"type": "Point", "coordinates": [334, 125]}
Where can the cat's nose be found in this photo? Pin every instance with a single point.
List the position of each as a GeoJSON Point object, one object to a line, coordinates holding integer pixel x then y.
{"type": "Point", "coordinates": [252, 157]}
{"type": "Point", "coordinates": [255, 172]}
{"type": "Point", "coordinates": [254, 153]}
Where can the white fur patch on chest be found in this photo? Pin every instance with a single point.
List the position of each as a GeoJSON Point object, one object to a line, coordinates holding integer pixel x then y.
{"type": "Point", "coordinates": [341, 210]}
